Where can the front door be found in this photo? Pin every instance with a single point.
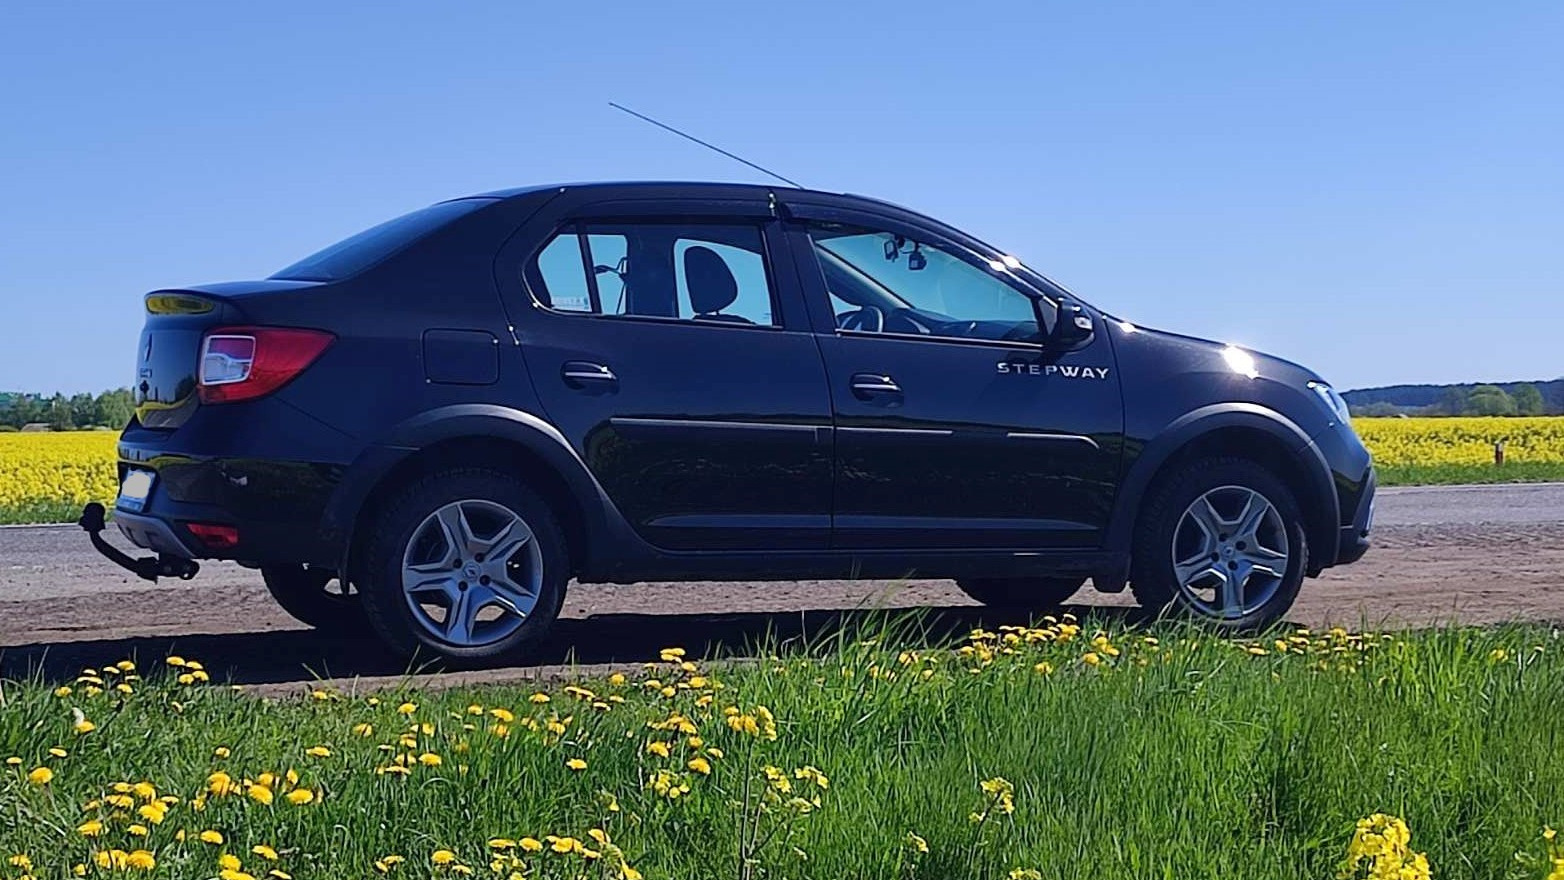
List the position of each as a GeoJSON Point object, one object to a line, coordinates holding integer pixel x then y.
{"type": "Point", "coordinates": [662, 349]}
{"type": "Point", "coordinates": [955, 426]}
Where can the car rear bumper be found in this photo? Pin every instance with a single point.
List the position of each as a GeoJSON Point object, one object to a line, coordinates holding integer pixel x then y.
{"type": "Point", "coordinates": [252, 480]}
{"type": "Point", "coordinates": [151, 533]}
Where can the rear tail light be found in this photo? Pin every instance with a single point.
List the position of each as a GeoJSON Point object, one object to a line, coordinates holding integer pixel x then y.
{"type": "Point", "coordinates": [214, 535]}
{"type": "Point", "coordinates": [242, 363]}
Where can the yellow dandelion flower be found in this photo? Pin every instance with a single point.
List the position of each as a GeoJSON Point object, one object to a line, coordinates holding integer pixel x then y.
{"type": "Point", "coordinates": [538, 698]}
{"type": "Point", "coordinates": [57, 752]}
{"type": "Point", "coordinates": [430, 759]}
{"type": "Point", "coordinates": [408, 709]}
{"type": "Point", "coordinates": [260, 794]}
{"type": "Point", "coordinates": [1090, 658]}
{"type": "Point", "coordinates": [530, 844]}
{"type": "Point", "coordinates": [616, 680]}
{"type": "Point", "coordinates": [154, 812]}
{"type": "Point", "coordinates": [41, 776]}
{"type": "Point", "coordinates": [318, 752]}
{"type": "Point", "coordinates": [137, 831]}
{"type": "Point", "coordinates": [300, 796]}
{"type": "Point", "coordinates": [264, 852]}
{"type": "Point", "coordinates": [141, 860]}
{"type": "Point", "coordinates": [442, 857]}
{"type": "Point", "coordinates": [364, 730]}
{"type": "Point", "coordinates": [215, 838]}
{"type": "Point", "coordinates": [701, 766]}
{"type": "Point", "coordinates": [222, 752]}
{"type": "Point", "coordinates": [229, 862]}
{"type": "Point", "coordinates": [660, 749]}
{"type": "Point", "coordinates": [576, 764]}
{"type": "Point", "coordinates": [175, 661]}
{"type": "Point", "coordinates": [91, 828]}
{"type": "Point", "coordinates": [63, 690]}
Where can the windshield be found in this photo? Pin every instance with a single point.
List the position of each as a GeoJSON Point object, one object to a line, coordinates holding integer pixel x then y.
{"type": "Point", "coordinates": [358, 252]}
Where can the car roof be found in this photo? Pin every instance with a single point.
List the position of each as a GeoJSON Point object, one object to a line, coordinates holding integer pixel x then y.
{"type": "Point", "coordinates": [693, 189]}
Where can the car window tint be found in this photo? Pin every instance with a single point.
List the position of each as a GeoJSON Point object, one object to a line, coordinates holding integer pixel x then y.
{"type": "Point", "coordinates": [711, 273]}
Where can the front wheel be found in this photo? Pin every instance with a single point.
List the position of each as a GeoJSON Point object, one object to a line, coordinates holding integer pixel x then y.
{"type": "Point", "coordinates": [1221, 541]}
{"type": "Point", "coordinates": [1021, 593]}
{"type": "Point", "coordinates": [465, 564]}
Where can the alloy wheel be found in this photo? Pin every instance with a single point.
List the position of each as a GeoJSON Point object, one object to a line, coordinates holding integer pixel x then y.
{"type": "Point", "coordinates": [1230, 552]}
{"type": "Point", "coordinates": [472, 573]}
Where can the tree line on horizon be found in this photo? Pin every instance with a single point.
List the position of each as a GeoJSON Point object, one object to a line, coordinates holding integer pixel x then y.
{"type": "Point", "coordinates": [108, 409]}
{"type": "Point", "coordinates": [1513, 399]}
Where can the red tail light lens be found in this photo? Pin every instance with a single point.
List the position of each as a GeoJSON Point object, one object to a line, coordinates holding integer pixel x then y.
{"type": "Point", "coordinates": [215, 536]}
{"type": "Point", "coordinates": [242, 363]}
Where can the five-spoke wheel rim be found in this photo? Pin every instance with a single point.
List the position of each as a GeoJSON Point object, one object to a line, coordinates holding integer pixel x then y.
{"type": "Point", "coordinates": [472, 573]}
{"type": "Point", "coordinates": [1230, 552]}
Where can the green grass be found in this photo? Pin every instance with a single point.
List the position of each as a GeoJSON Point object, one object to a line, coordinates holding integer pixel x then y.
{"type": "Point", "coordinates": [1206, 762]}
{"type": "Point", "coordinates": [1457, 474]}
{"type": "Point", "coordinates": [39, 512]}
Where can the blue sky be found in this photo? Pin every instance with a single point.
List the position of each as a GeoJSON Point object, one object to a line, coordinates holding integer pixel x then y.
{"type": "Point", "coordinates": [1374, 189]}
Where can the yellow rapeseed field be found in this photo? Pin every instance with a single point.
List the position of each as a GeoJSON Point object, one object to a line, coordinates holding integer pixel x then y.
{"type": "Point", "coordinates": [1458, 441]}
{"type": "Point", "coordinates": [50, 472]}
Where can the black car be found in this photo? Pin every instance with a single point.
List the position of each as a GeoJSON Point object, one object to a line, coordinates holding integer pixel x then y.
{"type": "Point", "coordinates": [439, 422]}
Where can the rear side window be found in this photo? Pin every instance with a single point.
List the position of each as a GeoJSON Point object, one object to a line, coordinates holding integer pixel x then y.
{"type": "Point", "coordinates": [691, 271]}
{"type": "Point", "coordinates": [358, 252]}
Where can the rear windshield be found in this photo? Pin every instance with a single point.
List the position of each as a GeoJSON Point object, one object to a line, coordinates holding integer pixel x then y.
{"type": "Point", "coordinates": [358, 252]}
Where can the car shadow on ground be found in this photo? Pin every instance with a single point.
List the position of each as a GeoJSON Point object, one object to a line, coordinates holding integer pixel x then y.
{"type": "Point", "coordinates": [302, 655]}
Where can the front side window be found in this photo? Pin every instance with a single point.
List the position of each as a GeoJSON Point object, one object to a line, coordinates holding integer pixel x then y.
{"type": "Point", "coordinates": [712, 273]}
{"type": "Point", "coordinates": [884, 282]}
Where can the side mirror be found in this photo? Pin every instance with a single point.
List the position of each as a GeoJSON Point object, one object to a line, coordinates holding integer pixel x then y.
{"type": "Point", "coordinates": [1072, 326]}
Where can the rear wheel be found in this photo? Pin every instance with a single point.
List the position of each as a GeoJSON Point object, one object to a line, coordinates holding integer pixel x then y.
{"type": "Point", "coordinates": [465, 564]}
{"type": "Point", "coordinates": [1220, 541]}
{"type": "Point", "coordinates": [1021, 593]}
{"type": "Point", "coordinates": [314, 597]}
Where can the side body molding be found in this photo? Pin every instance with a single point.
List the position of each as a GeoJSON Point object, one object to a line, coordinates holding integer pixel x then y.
{"type": "Point", "coordinates": [463, 421]}
{"type": "Point", "coordinates": [1186, 428]}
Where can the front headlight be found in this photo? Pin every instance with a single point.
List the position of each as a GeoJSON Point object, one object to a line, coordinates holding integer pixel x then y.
{"type": "Point", "coordinates": [1332, 401]}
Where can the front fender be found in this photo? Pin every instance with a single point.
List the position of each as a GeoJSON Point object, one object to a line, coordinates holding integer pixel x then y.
{"type": "Point", "coordinates": [1319, 508]}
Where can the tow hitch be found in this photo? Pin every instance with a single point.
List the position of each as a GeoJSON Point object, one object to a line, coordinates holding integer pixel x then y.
{"type": "Point", "coordinates": [147, 567]}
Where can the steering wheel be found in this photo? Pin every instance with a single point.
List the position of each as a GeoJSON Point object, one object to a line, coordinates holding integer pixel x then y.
{"type": "Point", "coordinates": [868, 319]}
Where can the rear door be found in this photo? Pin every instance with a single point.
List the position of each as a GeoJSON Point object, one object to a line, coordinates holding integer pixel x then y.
{"type": "Point", "coordinates": [675, 355]}
{"type": "Point", "coordinates": [955, 427]}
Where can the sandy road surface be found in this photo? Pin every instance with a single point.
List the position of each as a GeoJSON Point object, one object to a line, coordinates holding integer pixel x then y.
{"type": "Point", "coordinates": [1474, 554]}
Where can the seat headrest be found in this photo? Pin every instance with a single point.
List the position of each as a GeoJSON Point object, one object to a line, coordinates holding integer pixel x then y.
{"type": "Point", "coordinates": [710, 282]}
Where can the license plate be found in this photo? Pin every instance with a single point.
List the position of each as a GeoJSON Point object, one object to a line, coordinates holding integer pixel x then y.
{"type": "Point", "coordinates": [134, 491]}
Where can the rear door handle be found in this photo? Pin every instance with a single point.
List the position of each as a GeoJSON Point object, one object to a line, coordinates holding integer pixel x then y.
{"type": "Point", "coordinates": [580, 374]}
{"type": "Point", "coordinates": [873, 384]}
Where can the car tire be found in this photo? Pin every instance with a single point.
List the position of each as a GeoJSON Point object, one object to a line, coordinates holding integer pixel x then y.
{"type": "Point", "coordinates": [306, 594]}
{"type": "Point", "coordinates": [1180, 568]}
{"type": "Point", "coordinates": [427, 597]}
{"type": "Point", "coordinates": [1021, 593]}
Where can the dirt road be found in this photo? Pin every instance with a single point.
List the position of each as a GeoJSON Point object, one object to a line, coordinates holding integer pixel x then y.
{"type": "Point", "coordinates": [1473, 554]}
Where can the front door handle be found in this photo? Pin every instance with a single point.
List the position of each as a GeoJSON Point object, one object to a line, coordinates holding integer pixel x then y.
{"type": "Point", "coordinates": [874, 385]}
{"type": "Point", "coordinates": [581, 374]}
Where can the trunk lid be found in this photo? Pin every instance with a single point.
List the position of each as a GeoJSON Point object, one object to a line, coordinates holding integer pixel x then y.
{"type": "Point", "coordinates": [169, 352]}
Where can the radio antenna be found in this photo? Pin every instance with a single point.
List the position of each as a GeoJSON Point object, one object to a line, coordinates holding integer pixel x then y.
{"type": "Point", "coordinates": [712, 147]}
